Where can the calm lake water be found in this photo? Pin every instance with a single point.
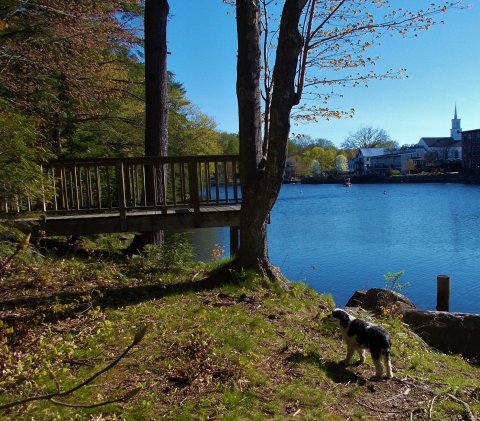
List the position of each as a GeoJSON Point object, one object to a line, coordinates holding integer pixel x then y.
{"type": "Point", "coordinates": [339, 239]}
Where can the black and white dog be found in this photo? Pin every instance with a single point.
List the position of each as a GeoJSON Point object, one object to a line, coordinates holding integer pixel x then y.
{"type": "Point", "coordinates": [360, 335]}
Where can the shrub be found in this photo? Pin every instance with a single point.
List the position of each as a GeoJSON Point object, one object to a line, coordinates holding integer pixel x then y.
{"type": "Point", "coordinates": [175, 254]}
{"type": "Point", "coordinates": [392, 281]}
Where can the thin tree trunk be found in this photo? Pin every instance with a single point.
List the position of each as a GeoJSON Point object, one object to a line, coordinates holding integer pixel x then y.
{"type": "Point", "coordinates": [156, 109]}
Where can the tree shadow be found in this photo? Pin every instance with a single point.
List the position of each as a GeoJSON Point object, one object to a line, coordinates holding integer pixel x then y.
{"type": "Point", "coordinates": [45, 309]}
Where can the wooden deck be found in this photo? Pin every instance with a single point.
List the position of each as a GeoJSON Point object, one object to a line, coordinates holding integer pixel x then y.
{"type": "Point", "coordinates": [93, 196]}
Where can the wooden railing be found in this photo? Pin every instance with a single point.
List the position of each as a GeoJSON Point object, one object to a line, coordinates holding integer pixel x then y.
{"type": "Point", "coordinates": [127, 184]}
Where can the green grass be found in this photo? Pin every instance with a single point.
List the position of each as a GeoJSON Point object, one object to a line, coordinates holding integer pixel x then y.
{"type": "Point", "coordinates": [246, 350]}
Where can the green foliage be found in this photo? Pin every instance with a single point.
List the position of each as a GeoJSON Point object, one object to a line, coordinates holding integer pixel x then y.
{"type": "Point", "coordinates": [20, 156]}
{"type": "Point", "coordinates": [393, 281]}
{"type": "Point", "coordinates": [393, 173]}
{"type": "Point", "coordinates": [175, 254]}
{"type": "Point", "coordinates": [325, 157]}
{"type": "Point", "coordinates": [341, 164]}
{"type": "Point", "coordinates": [315, 168]}
{"type": "Point", "coordinates": [229, 143]}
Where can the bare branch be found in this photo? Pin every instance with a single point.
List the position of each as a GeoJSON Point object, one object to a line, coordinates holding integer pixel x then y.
{"type": "Point", "coordinates": [50, 396]}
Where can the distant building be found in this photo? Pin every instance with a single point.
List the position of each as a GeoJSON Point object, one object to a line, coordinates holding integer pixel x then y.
{"type": "Point", "coordinates": [456, 130]}
{"type": "Point", "coordinates": [403, 160]}
{"type": "Point", "coordinates": [445, 152]}
{"type": "Point", "coordinates": [363, 163]}
{"type": "Point", "coordinates": [471, 150]}
{"type": "Point", "coordinates": [444, 149]}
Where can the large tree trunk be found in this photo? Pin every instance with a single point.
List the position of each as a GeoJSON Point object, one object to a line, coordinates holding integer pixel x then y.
{"type": "Point", "coordinates": [253, 220]}
{"type": "Point", "coordinates": [156, 109]}
{"type": "Point", "coordinates": [261, 177]}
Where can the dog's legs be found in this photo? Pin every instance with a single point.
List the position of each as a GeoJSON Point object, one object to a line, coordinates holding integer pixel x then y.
{"type": "Point", "coordinates": [361, 352]}
{"type": "Point", "coordinates": [388, 365]}
{"type": "Point", "coordinates": [348, 358]}
{"type": "Point", "coordinates": [378, 368]}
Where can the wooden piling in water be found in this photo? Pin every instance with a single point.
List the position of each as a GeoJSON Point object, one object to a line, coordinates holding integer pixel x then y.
{"type": "Point", "coordinates": [443, 293]}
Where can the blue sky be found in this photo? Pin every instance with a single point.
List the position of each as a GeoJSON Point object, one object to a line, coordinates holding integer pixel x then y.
{"type": "Point", "coordinates": [443, 68]}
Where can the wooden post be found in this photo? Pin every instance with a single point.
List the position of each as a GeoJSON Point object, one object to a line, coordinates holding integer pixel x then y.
{"type": "Point", "coordinates": [443, 293]}
{"type": "Point", "coordinates": [234, 237]}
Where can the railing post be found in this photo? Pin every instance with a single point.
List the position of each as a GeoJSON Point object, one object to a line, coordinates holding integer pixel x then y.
{"type": "Point", "coordinates": [443, 293]}
{"type": "Point", "coordinates": [194, 197]}
{"type": "Point", "coordinates": [122, 202]}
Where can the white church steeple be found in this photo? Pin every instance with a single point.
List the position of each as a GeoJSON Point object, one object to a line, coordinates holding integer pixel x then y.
{"type": "Point", "coordinates": [456, 130]}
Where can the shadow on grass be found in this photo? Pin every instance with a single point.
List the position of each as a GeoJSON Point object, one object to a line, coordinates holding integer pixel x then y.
{"type": "Point", "coordinates": [48, 308]}
{"type": "Point", "coordinates": [334, 371]}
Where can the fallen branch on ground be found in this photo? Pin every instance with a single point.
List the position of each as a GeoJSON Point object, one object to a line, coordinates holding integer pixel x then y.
{"type": "Point", "coordinates": [469, 412]}
{"type": "Point", "coordinates": [51, 396]}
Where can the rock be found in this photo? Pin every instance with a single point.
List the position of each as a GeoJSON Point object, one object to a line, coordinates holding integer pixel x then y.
{"type": "Point", "coordinates": [377, 298]}
{"type": "Point", "coordinates": [449, 332]}
{"type": "Point", "coordinates": [356, 299]}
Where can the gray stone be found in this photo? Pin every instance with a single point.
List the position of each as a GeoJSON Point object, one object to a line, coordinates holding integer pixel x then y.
{"type": "Point", "coordinates": [457, 333]}
{"type": "Point", "coordinates": [377, 298]}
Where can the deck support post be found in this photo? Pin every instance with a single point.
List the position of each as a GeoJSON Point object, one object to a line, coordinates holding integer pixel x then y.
{"type": "Point", "coordinates": [234, 237]}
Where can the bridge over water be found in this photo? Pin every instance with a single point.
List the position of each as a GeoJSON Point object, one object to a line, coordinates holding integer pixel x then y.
{"type": "Point", "coordinates": [110, 195]}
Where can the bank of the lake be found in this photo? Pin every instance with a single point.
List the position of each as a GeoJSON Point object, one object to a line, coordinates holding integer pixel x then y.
{"type": "Point", "coordinates": [339, 239]}
{"type": "Point", "coordinates": [412, 178]}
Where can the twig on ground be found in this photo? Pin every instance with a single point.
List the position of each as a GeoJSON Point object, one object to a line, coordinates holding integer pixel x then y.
{"type": "Point", "coordinates": [430, 409]}
{"type": "Point", "coordinates": [192, 279]}
{"type": "Point", "coordinates": [130, 394]}
{"type": "Point", "coordinates": [50, 396]}
{"type": "Point", "coordinates": [469, 412]}
{"type": "Point", "coordinates": [404, 392]}
{"type": "Point", "coordinates": [378, 410]}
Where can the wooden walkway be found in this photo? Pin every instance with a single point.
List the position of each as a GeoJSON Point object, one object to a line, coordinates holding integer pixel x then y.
{"type": "Point", "coordinates": [92, 196]}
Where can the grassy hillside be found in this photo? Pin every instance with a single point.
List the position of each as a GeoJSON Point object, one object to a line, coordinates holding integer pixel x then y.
{"type": "Point", "coordinates": [243, 349]}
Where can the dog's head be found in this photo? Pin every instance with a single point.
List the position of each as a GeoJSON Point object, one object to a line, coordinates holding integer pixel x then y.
{"type": "Point", "coordinates": [339, 317]}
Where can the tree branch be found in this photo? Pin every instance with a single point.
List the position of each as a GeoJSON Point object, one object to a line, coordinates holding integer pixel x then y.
{"type": "Point", "coordinates": [50, 396]}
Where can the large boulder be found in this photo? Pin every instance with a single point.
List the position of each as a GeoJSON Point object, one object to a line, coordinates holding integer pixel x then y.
{"type": "Point", "coordinates": [380, 300]}
{"type": "Point", "coordinates": [457, 333]}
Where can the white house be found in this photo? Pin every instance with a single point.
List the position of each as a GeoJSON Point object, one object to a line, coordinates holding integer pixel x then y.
{"type": "Point", "coordinates": [364, 159]}
{"type": "Point", "coordinates": [397, 159]}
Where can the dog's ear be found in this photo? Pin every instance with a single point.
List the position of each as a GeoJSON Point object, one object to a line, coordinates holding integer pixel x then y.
{"type": "Point", "coordinates": [342, 316]}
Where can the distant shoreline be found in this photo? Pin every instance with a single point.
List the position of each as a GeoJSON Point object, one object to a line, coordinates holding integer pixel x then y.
{"type": "Point", "coordinates": [373, 179]}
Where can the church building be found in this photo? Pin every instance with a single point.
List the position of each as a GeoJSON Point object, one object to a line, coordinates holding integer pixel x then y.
{"type": "Point", "coordinates": [445, 149]}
